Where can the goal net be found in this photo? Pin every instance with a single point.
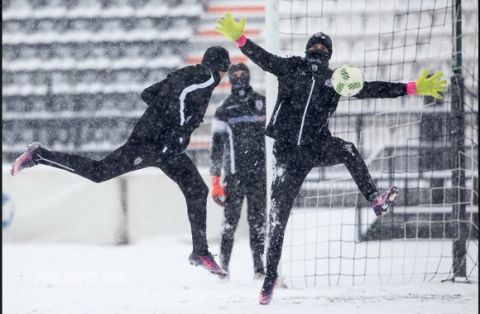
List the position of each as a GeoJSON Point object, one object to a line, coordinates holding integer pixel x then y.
{"type": "Point", "coordinates": [427, 148]}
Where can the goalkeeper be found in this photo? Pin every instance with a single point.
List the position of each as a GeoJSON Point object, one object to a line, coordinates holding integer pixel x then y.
{"type": "Point", "coordinates": [239, 124]}
{"type": "Point", "coordinates": [299, 126]}
{"type": "Point", "coordinates": [176, 106]}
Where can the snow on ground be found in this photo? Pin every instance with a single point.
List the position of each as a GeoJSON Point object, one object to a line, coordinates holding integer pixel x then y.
{"type": "Point", "coordinates": [154, 277]}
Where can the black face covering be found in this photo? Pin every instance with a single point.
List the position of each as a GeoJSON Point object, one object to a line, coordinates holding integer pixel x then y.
{"type": "Point", "coordinates": [241, 82]}
{"type": "Point", "coordinates": [318, 58]}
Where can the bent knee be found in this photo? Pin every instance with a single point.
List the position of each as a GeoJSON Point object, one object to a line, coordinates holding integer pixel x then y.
{"type": "Point", "coordinates": [98, 178]}
{"type": "Point", "coordinates": [100, 173]}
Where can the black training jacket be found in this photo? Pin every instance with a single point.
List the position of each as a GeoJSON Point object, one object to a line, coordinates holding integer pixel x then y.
{"type": "Point", "coordinates": [306, 98]}
{"type": "Point", "coordinates": [238, 134]}
{"type": "Point", "coordinates": [182, 97]}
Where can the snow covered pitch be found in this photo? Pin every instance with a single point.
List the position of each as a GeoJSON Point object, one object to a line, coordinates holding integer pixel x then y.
{"type": "Point", "coordinates": [154, 277]}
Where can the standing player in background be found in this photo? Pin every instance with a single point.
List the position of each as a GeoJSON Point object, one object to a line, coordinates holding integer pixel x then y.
{"type": "Point", "coordinates": [176, 107]}
{"type": "Point", "coordinates": [238, 127]}
{"type": "Point", "coordinates": [299, 126]}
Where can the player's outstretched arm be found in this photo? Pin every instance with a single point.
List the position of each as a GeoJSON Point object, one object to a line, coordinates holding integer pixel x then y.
{"type": "Point", "coordinates": [423, 86]}
{"type": "Point", "coordinates": [234, 31]}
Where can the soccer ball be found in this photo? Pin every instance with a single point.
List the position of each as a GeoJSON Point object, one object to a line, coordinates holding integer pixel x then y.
{"type": "Point", "coordinates": [347, 80]}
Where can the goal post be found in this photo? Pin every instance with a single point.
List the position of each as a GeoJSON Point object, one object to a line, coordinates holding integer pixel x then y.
{"type": "Point", "coordinates": [271, 88]}
{"type": "Point", "coordinates": [457, 129]}
{"type": "Point", "coordinates": [428, 148]}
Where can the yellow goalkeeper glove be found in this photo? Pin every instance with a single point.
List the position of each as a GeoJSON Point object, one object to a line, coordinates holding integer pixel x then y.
{"type": "Point", "coordinates": [430, 86]}
{"type": "Point", "coordinates": [228, 27]}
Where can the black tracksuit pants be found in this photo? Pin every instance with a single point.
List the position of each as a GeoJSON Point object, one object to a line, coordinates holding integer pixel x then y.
{"type": "Point", "coordinates": [144, 149]}
{"type": "Point", "coordinates": [292, 166]}
{"type": "Point", "coordinates": [253, 188]}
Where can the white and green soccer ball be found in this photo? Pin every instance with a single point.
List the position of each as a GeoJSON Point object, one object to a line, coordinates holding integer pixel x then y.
{"type": "Point", "coordinates": [347, 80]}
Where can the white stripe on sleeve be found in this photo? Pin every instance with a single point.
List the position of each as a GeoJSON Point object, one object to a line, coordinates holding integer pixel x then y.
{"type": "Point", "coordinates": [190, 89]}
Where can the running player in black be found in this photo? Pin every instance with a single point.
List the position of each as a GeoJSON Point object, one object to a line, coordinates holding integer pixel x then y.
{"type": "Point", "coordinates": [176, 107]}
{"type": "Point", "coordinates": [238, 143]}
{"type": "Point", "coordinates": [299, 126]}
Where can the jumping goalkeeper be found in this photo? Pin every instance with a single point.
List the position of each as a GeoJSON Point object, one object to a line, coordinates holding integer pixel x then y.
{"type": "Point", "coordinates": [299, 126]}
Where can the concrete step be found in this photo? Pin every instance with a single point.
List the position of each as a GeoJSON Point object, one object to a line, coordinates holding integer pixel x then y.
{"type": "Point", "coordinates": [237, 8]}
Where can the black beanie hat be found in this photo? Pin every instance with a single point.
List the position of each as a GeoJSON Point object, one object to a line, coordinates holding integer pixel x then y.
{"type": "Point", "coordinates": [216, 58]}
{"type": "Point", "coordinates": [321, 38]}
{"type": "Point", "coordinates": [238, 67]}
